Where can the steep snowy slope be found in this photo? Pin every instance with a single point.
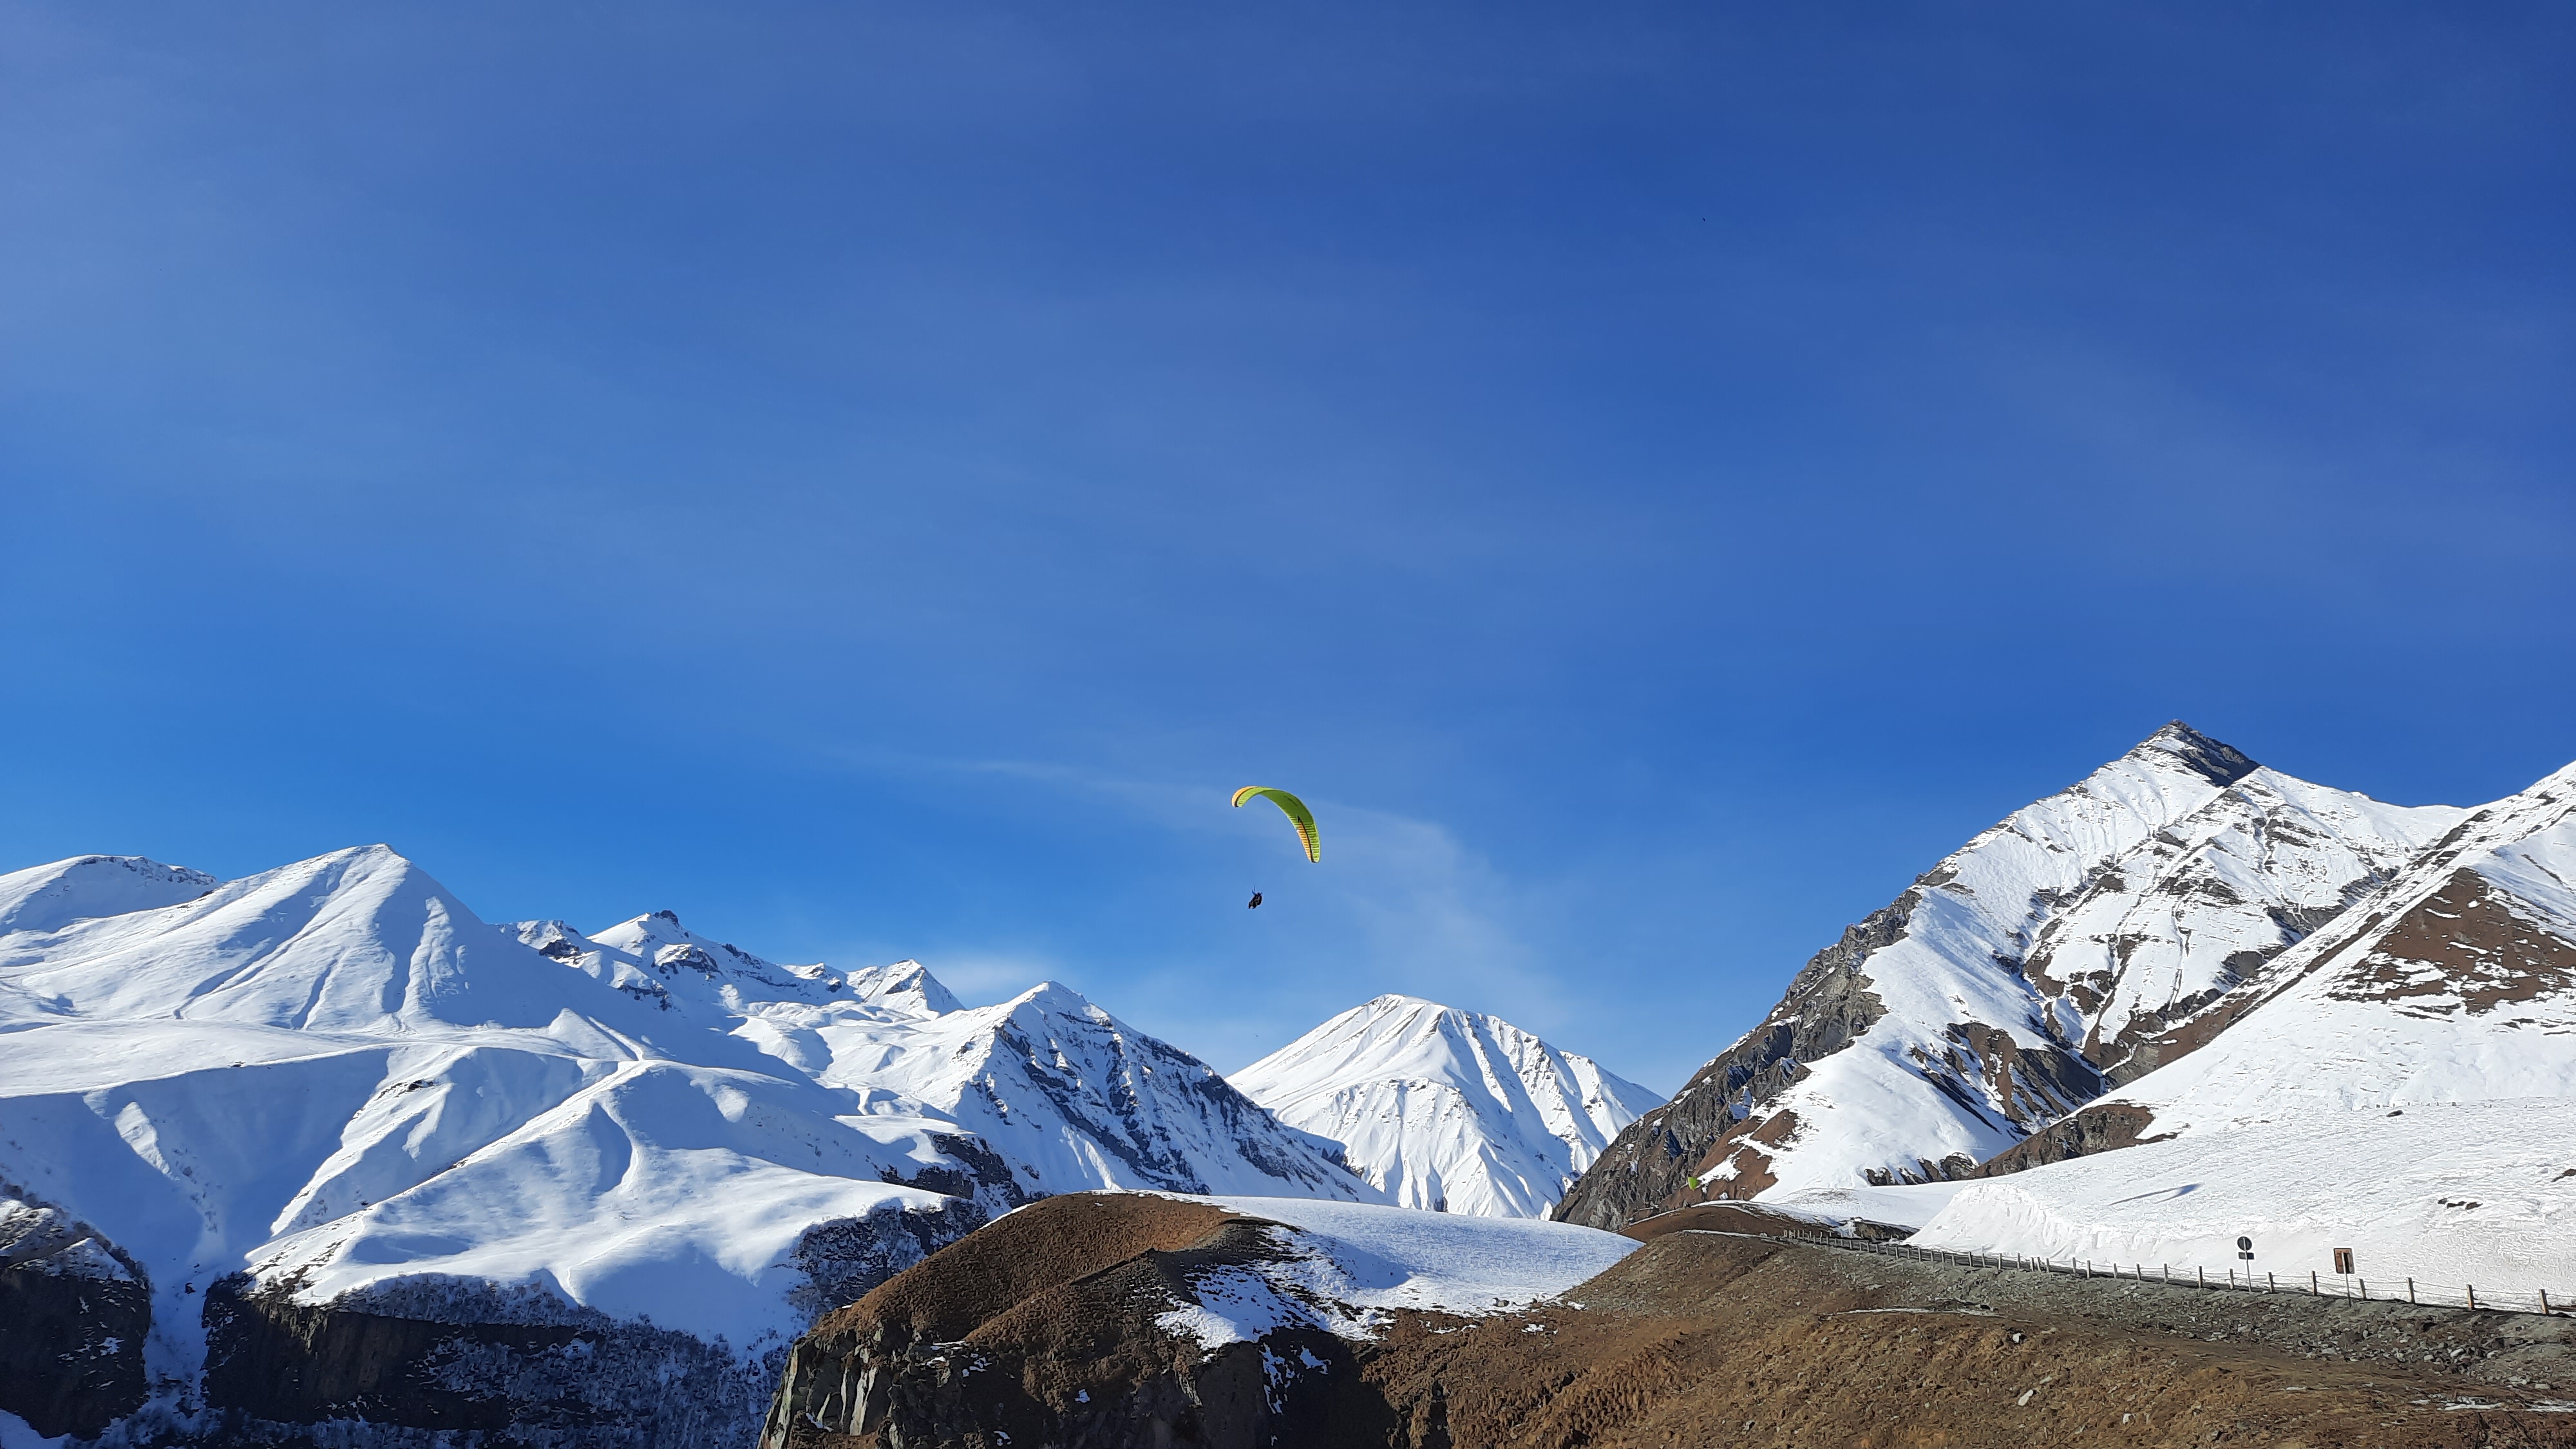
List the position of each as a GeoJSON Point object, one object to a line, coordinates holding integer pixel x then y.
{"type": "Point", "coordinates": [2455, 983]}
{"type": "Point", "coordinates": [330, 1090]}
{"type": "Point", "coordinates": [2051, 957]}
{"type": "Point", "coordinates": [1447, 1109]}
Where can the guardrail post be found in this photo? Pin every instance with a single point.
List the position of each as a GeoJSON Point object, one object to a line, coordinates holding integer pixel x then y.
{"type": "Point", "coordinates": [2270, 1284]}
{"type": "Point", "coordinates": [2544, 1302]}
{"type": "Point", "coordinates": [2473, 1295]}
{"type": "Point", "coordinates": [2410, 1290]}
{"type": "Point", "coordinates": [2312, 1284]}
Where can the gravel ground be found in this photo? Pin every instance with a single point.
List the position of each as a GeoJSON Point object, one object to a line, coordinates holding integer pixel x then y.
{"type": "Point", "coordinates": [1722, 1338]}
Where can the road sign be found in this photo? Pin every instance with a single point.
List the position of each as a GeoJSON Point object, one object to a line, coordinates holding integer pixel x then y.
{"type": "Point", "coordinates": [2243, 1244]}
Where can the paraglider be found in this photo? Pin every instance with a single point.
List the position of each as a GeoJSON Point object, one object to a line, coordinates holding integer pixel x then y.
{"type": "Point", "coordinates": [1297, 813]}
{"type": "Point", "coordinates": [1253, 904]}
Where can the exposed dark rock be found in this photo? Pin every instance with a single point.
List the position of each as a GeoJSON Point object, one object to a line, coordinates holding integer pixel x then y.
{"type": "Point", "coordinates": [2218, 763]}
{"type": "Point", "coordinates": [74, 1312]}
{"type": "Point", "coordinates": [2464, 948]}
{"type": "Point", "coordinates": [1827, 1006]}
{"type": "Point", "coordinates": [462, 1362]}
{"type": "Point", "coordinates": [2101, 1127]}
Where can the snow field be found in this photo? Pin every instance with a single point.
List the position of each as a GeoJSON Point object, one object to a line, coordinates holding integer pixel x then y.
{"type": "Point", "coordinates": [2452, 1194]}
{"type": "Point", "coordinates": [1353, 1263]}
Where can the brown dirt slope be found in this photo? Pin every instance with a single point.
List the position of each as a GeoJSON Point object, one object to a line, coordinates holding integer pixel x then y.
{"type": "Point", "coordinates": [1703, 1338]}
{"type": "Point", "coordinates": [1699, 1337]}
{"type": "Point", "coordinates": [1041, 1329]}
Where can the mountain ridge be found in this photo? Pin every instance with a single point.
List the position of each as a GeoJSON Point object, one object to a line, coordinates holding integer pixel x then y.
{"type": "Point", "coordinates": [1447, 1109]}
{"type": "Point", "coordinates": [2016, 980]}
{"type": "Point", "coordinates": [328, 1096]}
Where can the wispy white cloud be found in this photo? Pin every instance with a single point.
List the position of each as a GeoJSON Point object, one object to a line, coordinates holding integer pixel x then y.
{"type": "Point", "coordinates": [981, 978]}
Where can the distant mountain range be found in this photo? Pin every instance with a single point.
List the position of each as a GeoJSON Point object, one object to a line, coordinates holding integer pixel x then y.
{"type": "Point", "coordinates": [243, 1121]}
{"type": "Point", "coordinates": [290, 1156]}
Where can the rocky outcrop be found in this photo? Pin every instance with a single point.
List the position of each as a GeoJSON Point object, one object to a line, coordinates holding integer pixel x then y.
{"type": "Point", "coordinates": [458, 1361]}
{"type": "Point", "coordinates": [1045, 1328]}
{"type": "Point", "coordinates": [1712, 1118]}
{"type": "Point", "coordinates": [73, 1316]}
{"type": "Point", "coordinates": [2101, 1127]}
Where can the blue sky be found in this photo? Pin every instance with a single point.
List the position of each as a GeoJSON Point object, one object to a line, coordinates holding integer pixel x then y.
{"type": "Point", "coordinates": [873, 478]}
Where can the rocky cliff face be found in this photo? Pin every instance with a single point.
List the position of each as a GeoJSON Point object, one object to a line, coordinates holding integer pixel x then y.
{"type": "Point", "coordinates": [458, 1357]}
{"type": "Point", "coordinates": [74, 1313]}
{"type": "Point", "coordinates": [2077, 945]}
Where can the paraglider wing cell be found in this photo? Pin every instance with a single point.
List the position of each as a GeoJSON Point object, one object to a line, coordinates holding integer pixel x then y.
{"type": "Point", "coordinates": [1296, 811]}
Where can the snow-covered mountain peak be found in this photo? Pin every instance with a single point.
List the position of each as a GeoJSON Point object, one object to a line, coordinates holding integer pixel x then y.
{"type": "Point", "coordinates": [904, 988]}
{"type": "Point", "coordinates": [658, 961]}
{"type": "Point", "coordinates": [1447, 1109]}
{"type": "Point", "coordinates": [1053, 998]}
{"type": "Point", "coordinates": [357, 940]}
{"type": "Point", "coordinates": [2454, 981]}
{"type": "Point", "coordinates": [2059, 952]}
{"type": "Point", "coordinates": [49, 897]}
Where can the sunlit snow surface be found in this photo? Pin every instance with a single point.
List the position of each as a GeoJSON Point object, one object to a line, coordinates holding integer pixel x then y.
{"type": "Point", "coordinates": [2339, 1024]}
{"type": "Point", "coordinates": [2144, 886]}
{"type": "Point", "coordinates": [335, 1071]}
{"type": "Point", "coordinates": [2421, 1112]}
{"type": "Point", "coordinates": [2450, 1194]}
{"type": "Point", "coordinates": [1349, 1265]}
{"type": "Point", "coordinates": [1447, 1109]}
{"type": "Point", "coordinates": [1904, 1205]}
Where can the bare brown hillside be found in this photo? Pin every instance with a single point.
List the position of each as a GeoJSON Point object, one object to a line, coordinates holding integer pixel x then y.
{"type": "Point", "coordinates": [1699, 1337]}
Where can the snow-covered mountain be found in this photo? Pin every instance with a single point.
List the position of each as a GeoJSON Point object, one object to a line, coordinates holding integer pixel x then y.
{"type": "Point", "coordinates": [1447, 1109]}
{"type": "Point", "coordinates": [2075, 945]}
{"type": "Point", "coordinates": [329, 1089]}
{"type": "Point", "coordinates": [2455, 982]}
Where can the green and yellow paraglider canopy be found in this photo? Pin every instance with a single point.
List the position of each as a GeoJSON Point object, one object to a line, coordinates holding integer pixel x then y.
{"type": "Point", "coordinates": [1297, 813]}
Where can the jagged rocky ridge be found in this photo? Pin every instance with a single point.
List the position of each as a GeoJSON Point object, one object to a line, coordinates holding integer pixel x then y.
{"type": "Point", "coordinates": [2070, 948]}
{"type": "Point", "coordinates": [318, 1150]}
{"type": "Point", "coordinates": [1446, 1109]}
